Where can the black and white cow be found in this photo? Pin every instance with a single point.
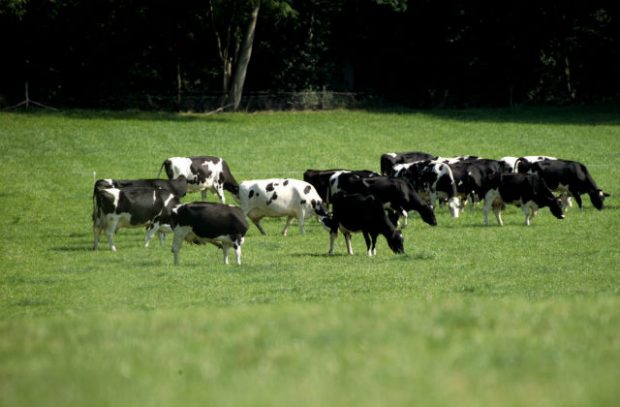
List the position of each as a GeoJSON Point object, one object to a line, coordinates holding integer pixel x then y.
{"type": "Point", "coordinates": [207, 222]}
{"type": "Point", "coordinates": [569, 178]}
{"type": "Point", "coordinates": [176, 186]}
{"type": "Point", "coordinates": [389, 160]}
{"type": "Point", "coordinates": [115, 208]}
{"type": "Point", "coordinates": [362, 213]}
{"type": "Point", "coordinates": [397, 196]}
{"type": "Point", "coordinates": [526, 190]}
{"type": "Point", "coordinates": [523, 164]}
{"type": "Point", "coordinates": [322, 180]}
{"type": "Point", "coordinates": [345, 180]}
{"type": "Point", "coordinates": [202, 173]}
{"type": "Point", "coordinates": [279, 197]}
{"type": "Point", "coordinates": [434, 178]}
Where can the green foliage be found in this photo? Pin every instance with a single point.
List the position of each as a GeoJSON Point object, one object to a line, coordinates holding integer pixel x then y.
{"type": "Point", "coordinates": [471, 315]}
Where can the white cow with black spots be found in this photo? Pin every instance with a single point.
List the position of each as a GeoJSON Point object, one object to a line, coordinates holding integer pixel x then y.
{"type": "Point", "coordinates": [278, 197]}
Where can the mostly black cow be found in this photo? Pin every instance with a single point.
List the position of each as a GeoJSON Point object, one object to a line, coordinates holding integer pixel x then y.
{"type": "Point", "coordinates": [362, 213]}
{"type": "Point", "coordinates": [202, 174]}
{"type": "Point", "coordinates": [525, 190]}
{"type": "Point", "coordinates": [115, 208]}
{"type": "Point", "coordinates": [569, 178]}
{"type": "Point", "coordinates": [206, 222]}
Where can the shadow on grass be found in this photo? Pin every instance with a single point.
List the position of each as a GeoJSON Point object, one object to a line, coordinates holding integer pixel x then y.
{"type": "Point", "coordinates": [587, 115]}
{"type": "Point", "coordinates": [138, 115]}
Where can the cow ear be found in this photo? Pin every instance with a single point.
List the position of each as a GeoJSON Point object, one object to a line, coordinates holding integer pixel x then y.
{"type": "Point", "coordinates": [606, 195]}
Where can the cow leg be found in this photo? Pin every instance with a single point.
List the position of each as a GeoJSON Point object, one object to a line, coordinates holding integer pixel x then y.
{"type": "Point", "coordinates": [289, 219]}
{"type": "Point", "coordinates": [219, 191]}
{"type": "Point", "coordinates": [225, 247]}
{"type": "Point", "coordinates": [302, 219]}
{"type": "Point", "coordinates": [179, 235]}
{"type": "Point", "coordinates": [97, 233]}
{"type": "Point", "coordinates": [110, 230]}
{"type": "Point", "coordinates": [374, 244]}
{"type": "Point", "coordinates": [256, 221]}
{"type": "Point", "coordinates": [347, 239]}
{"type": "Point", "coordinates": [497, 209]}
{"type": "Point", "coordinates": [150, 232]}
{"type": "Point", "coordinates": [332, 239]}
{"type": "Point", "coordinates": [577, 197]}
{"type": "Point", "coordinates": [162, 237]}
{"type": "Point", "coordinates": [237, 246]}
{"type": "Point", "coordinates": [488, 201]}
{"type": "Point", "coordinates": [368, 243]}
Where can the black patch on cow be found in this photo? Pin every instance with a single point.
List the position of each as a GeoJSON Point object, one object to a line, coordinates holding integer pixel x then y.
{"type": "Point", "coordinates": [251, 194]}
{"type": "Point", "coordinates": [303, 201]}
{"type": "Point", "coordinates": [285, 182]}
{"type": "Point", "coordinates": [307, 189]}
{"type": "Point", "coordinates": [313, 203]}
{"type": "Point", "coordinates": [269, 187]}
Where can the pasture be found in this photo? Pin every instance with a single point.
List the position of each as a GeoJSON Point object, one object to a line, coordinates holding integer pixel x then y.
{"type": "Point", "coordinates": [470, 316]}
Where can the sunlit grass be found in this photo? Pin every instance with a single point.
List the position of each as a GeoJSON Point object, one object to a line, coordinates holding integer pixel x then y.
{"type": "Point", "coordinates": [471, 315]}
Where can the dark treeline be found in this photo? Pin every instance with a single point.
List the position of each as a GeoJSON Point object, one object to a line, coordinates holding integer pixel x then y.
{"type": "Point", "coordinates": [129, 53]}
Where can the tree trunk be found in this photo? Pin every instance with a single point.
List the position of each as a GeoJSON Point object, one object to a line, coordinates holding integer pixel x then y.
{"type": "Point", "coordinates": [245, 52]}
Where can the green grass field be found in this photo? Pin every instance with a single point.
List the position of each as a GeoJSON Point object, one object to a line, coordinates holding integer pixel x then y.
{"type": "Point", "coordinates": [470, 316]}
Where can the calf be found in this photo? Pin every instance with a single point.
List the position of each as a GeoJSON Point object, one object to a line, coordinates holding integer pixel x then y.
{"type": "Point", "coordinates": [279, 197]}
{"type": "Point", "coordinates": [202, 173]}
{"type": "Point", "coordinates": [206, 222]}
{"type": "Point", "coordinates": [362, 213]}
{"type": "Point", "coordinates": [176, 186]}
{"type": "Point", "coordinates": [570, 177]}
{"type": "Point", "coordinates": [115, 208]}
{"type": "Point", "coordinates": [525, 190]}
{"type": "Point", "coordinates": [389, 160]}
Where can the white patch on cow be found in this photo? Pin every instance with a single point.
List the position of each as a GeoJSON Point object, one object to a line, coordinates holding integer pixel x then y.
{"type": "Point", "coordinates": [334, 185]}
{"type": "Point", "coordinates": [391, 154]}
{"type": "Point", "coordinates": [509, 163]}
{"type": "Point", "coordinates": [182, 166]}
{"type": "Point", "coordinates": [116, 193]}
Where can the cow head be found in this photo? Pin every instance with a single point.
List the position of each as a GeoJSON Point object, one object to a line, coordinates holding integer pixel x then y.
{"type": "Point", "coordinates": [428, 215]}
{"type": "Point", "coordinates": [396, 242]}
{"type": "Point", "coordinates": [555, 206]}
{"type": "Point", "coordinates": [598, 197]}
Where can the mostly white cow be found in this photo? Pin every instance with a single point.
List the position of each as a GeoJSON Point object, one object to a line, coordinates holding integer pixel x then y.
{"type": "Point", "coordinates": [362, 213]}
{"type": "Point", "coordinates": [279, 197]}
{"type": "Point", "coordinates": [206, 222]}
{"type": "Point", "coordinates": [115, 208]}
{"type": "Point", "coordinates": [525, 190]}
{"type": "Point", "coordinates": [203, 173]}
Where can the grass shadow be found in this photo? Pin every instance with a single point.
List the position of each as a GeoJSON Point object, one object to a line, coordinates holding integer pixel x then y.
{"type": "Point", "coordinates": [586, 115]}
{"type": "Point", "coordinates": [132, 115]}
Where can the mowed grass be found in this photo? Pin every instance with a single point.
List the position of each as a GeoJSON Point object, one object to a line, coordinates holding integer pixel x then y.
{"type": "Point", "coordinates": [470, 316]}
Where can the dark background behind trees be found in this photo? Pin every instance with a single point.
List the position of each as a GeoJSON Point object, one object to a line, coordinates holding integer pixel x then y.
{"type": "Point", "coordinates": [124, 53]}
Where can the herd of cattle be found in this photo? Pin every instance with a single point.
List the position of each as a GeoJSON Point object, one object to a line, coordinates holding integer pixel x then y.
{"type": "Point", "coordinates": [360, 201]}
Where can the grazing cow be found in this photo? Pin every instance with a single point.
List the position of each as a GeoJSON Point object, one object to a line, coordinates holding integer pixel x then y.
{"type": "Point", "coordinates": [362, 213]}
{"type": "Point", "coordinates": [115, 208]}
{"type": "Point", "coordinates": [202, 173]}
{"type": "Point", "coordinates": [320, 179]}
{"type": "Point", "coordinates": [525, 190]}
{"type": "Point", "coordinates": [176, 186]}
{"type": "Point", "coordinates": [434, 178]}
{"type": "Point", "coordinates": [207, 222]}
{"type": "Point", "coordinates": [569, 177]}
{"type": "Point", "coordinates": [397, 196]}
{"type": "Point", "coordinates": [389, 160]}
{"type": "Point", "coordinates": [457, 159]}
{"type": "Point", "coordinates": [280, 197]}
